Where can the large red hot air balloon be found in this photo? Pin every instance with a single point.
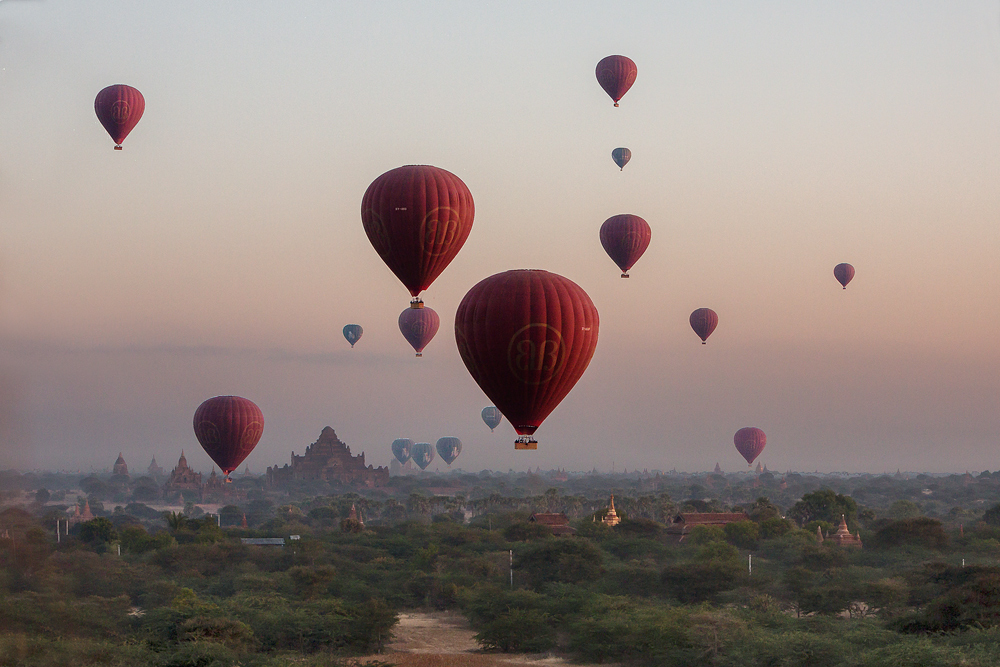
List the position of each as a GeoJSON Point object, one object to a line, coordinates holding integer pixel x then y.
{"type": "Point", "coordinates": [704, 321]}
{"type": "Point", "coordinates": [418, 325]}
{"type": "Point", "coordinates": [750, 443]}
{"type": "Point", "coordinates": [616, 74]}
{"type": "Point", "coordinates": [228, 427]}
{"type": "Point", "coordinates": [526, 337]}
{"type": "Point", "coordinates": [844, 273]}
{"type": "Point", "coordinates": [625, 238]}
{"type": "Point", "coordinates": [119, 108]}
{"type": "Point", "coordinates": [417, 218]}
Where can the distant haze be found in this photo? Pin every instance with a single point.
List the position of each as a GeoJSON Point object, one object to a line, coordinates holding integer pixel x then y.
{"type": "Point", "coordinates": [222, 252]}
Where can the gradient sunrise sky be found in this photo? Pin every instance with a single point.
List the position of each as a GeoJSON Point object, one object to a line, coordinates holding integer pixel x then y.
{"type": "Point", "coordinates": [222, 251]}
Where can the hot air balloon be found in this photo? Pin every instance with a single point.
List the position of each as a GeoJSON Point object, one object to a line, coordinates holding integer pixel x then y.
{"type": "Point", "coordinates": [119, 108]}
{"type": "Point", "coordinates": [492, 417]}
{"type": "Point", "coordinates": [449, 448]}
{"type": "Point", "coordinates": [625, 238]}
{"type": "Point", "coordinates": [526, 337]}
{"type": "Point", "coordinates": [616, 74]}
{"type": "Point", "coordinates": [352, 332]}
{"type": "Point", "coordinates": [704, 321]}
{"type": "Point", "coordinates": [844, 273]}
{"type": "Point", "coordinates": [401, 449]}
{"type": "Point", "coordinates": [621, 156]}
{"type": "Point", "coordinates": [422, 454]}
{"type": "Point", "coordinates": [228, 428]}
{"type": "Point", "coordinates": [418, 325]}
{"type": "Point", "coordinates": [417, 218]}
{"type": "Point", "coordinates": [750, 443]}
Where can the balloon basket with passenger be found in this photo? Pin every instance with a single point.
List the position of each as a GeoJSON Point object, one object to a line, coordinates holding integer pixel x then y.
{"type": "Point", "coordinates": [525, 442]}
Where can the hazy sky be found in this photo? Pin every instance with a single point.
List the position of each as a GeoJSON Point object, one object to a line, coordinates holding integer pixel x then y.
{"type": "Point", "coordinates": [222, 251]}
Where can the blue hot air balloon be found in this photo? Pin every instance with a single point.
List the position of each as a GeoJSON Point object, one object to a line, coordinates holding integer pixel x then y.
{"type": "Point", "coordinates": [352, 332]}
{"type": "Point", "coordinates": [449, 448]}
{"type": "Point", "coordinates": [401, 448]}
{"type": "Point", "coordinates": [492, 417]}
{"type": "Point", "coordinates": [422, 454]}
{"type": "Point", "coordinates": [621, 156]}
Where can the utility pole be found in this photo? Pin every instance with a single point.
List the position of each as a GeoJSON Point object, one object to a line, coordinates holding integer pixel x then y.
{"type": "Point", "coordinates": [750, 564]}
{"type": "Point", "coordinates": [512, 568]}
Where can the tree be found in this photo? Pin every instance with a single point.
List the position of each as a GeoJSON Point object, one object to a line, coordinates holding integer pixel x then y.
{"type": "Point", "coordinates": [825, 505]}
{"type": "Point", "coordinates": [762, 510]}
{"type": "Point", "coordinates": [920, 531]}
{"type": "Point", "coordinates": [992, 515]}
{"type": "Point", "coordinates": [42, 496]}
{"type": "Point", "coordinates": [99, 531]}
{"type": "Point", "coordinates": [742, 534]}
{"type": "Point", "coordinates": [565, 560]}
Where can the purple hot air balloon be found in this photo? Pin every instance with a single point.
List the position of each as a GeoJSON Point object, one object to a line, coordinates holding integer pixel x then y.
{"type": "Point", "coordinates": [621, 156]}
{"type": "Point", "coordinates": [844, 273]}
{"type": "Point", "coordinates": [616, 74]}
{"type": "Point", "coordinates": [704, 321]}
{"type": "Point", "coordinates": [750, 443]}
{"type": "Point", "coordinates": [228, 428]}
{"type": "Point", "coordinates": [418, 325]}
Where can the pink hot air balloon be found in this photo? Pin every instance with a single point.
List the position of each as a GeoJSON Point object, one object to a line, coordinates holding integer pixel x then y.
{"type": "Point", "coordinates": [750, 443]}
{"type": "Point", "coordinates": [228, 428]}
{"type": "Point", "coordinates": [616, 74]}
{"type": "Point", "coordinates": [704, 321]}
{"type": "Point", "coordinates": [418, 325]}
{"type": "Point", "coordinates": [119, 108]}
{"type": "Point", "coordinates": [844, 273]}
{"type": "Point", "coordinates": [625, 237]}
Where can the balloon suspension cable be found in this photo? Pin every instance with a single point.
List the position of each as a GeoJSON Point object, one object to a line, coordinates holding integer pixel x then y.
{"type": "Point", "coordinates": [416, 302]}
{"type": "Point", "coordinates": [118, 147]}
{"type": "Point", "coordinates": [525, 442]}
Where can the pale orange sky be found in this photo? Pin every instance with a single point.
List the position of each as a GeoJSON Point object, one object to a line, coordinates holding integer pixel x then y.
{"type": "Point", "coordinates": [222, 251]}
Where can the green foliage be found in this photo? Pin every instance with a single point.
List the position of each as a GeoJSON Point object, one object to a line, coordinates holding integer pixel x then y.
{"type": "Point", "coordinates": [517, 631]}
{"type": "Point", "coordinates": [824, 505]}
{"type": "Point", "coordinates": [775, 527]}
{"type": "Point", "coordinates": [524, 531]}
{"type": "Point", "coordinates": [98, 531]}
{"type": "Point", "coordinates": [742, 534]}
{"type": "Point", "coordinates": [706, 534]}
{"type": "Point", "coordinates": [920, 531]}
{"type": "Point", "coordinates": [992, 516]}
{"type": "Point", "coordinates": [565, 560]}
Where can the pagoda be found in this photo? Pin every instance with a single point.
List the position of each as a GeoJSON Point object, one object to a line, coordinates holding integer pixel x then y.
{"type": "Point", "coordinates": [611, 517]}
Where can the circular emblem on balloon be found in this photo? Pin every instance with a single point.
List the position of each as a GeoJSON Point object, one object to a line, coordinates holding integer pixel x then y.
{"type": "Point", "coordinates": [750, 442]}
{"type": "Point", "coordinates": [207, 432]}
{"type": "Point", "coordinates": [526, 337]}
{"type": "Point", "coordinates": [119, 111]}
{"type": "Point", "coordinates": [377, 235]}
{"type": "Point", "coordinates": [440, 228]}
{"type": "Point", "coordinates": [535, 353]}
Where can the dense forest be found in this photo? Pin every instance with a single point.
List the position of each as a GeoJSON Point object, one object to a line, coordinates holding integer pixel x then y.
{"type": "Point", "coordinates": [137, 585]}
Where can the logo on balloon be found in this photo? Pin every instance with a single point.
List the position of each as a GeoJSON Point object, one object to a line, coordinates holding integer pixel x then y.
{"type": "Point", "coordinates": [377, 233]}
{"type": "Point", "coordinates": [631, 242]}
{"type": "Point", "coordinates": [208, 433]}
{"type": "Point", "coordinates": [441, 226]}
{"type": "Point", "coordinates": [251, 434]}
{"type": "Point", "coordinates": [119, 112]}
{"type": "Point", "coordinates": [535, 353]}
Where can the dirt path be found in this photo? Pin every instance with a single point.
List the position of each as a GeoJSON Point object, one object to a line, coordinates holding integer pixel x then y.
{"type": "Point", "coordinates": [444, 639]}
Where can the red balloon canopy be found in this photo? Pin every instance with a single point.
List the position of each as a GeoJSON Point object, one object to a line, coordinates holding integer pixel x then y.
{"type": "Point", "coordinates": [119, 108]}
{"type": "Point", "coordinates": [526, 337]}
{"type": "Point", "coordinates": [750, 443]}
{"type": "Point", "coordinates": [228, 428]}
{"type": "Point", "coordinates": [704, 321]}
{"type": "Point", "coordinates": [419, 325]}
{"type": "Point", "coordinates": [616, 74]}
{"type": "Point", "coordinates": [844, 273]}
{"type": "Point", "coordinates": [417, 218]}
{"type": "Point", "coordinates": [625, 238]}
